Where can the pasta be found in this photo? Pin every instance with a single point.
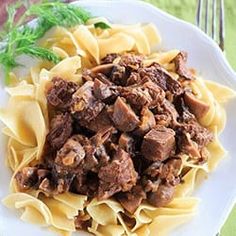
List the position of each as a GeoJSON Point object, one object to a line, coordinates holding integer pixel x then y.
{"type": "Point", "coordinates": [27, 116]}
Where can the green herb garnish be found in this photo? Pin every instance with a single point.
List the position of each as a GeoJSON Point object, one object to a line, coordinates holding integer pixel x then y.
{"type": "Point", "coordinates": [19, 38]}
{"type": "Point", "coordinates": [102, 25]}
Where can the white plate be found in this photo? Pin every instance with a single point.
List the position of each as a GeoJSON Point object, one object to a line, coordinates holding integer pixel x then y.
{"type": "Point", "coordinates": [218, 192]}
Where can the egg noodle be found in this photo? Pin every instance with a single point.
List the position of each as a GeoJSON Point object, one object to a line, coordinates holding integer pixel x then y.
{"type": "Point", "coordinates": [27, 124]}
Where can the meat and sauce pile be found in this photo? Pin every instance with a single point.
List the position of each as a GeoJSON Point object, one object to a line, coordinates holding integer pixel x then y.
{"type": "Point", "coordinates": [121, 134]}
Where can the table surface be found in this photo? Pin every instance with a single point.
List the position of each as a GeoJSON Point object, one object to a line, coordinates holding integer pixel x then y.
{"type": "Point", "coordinates": [186, 9]}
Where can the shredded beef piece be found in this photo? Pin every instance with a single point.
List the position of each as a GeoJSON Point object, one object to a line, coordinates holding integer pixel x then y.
{"type": "Point", "coordinates": [126, 142]}
{"type": "Point", "coordinates": [131, 61]}
{"type": "Point", "coordinates": [158, 143]}
{"type": "Point", "coordinates": [102, 136]}
{"type": "Point", "coordinates": [147, 94]}
{"type": "Point", "coordinates": [197, 107]}
{"type": "Point", "coordinates": [42, 173]}
{"type": "Point", "coordinates": [82, 221]}
{"type": "Point", "coordinates": [86, 183]}
{"type": "Point", "coordinates": [198, 133]}
{"type": "Point", "coordinates": [69, 157]}
{"type": "Point", "coordinates": [103, 91]}
{"type": "Point", "coordinates": [162, 196]}
{"type": "Point", "coordinates": [166, 114]}
{"type": "Point", "coordinates": [55, 185]}
{"type": "Point", "coordinates": [150, 185]}
{"type": "Point", "coordinates": [102, 121]}
{"type": "Point", "coordinates": [79, 184]}
{"type": "Point", "coordinates": [184, 114]}
{"type": "Point", "coordinates": [60, 130]}
{"type": "Point", "coordinates": [119, 175]}
{"type": "Point", "coordinates": [103, 78]}
{"type": "Point", "coordinates": [95, 153]}
{"type": "Point", "coordinates": [154, 169]}
{"type": "Point", "coordinates": [87, 75]}
{"type": "Point", "coordinates": [134, 78]}
{"type": "Point", "coordinates": [109, 58]}
{"type": "Point", "coordinates": [131, 200]}
{"type": "Point", "coordinates": [91, 162]}
{"type": "Point", "coordinates": [170, 171]}
{"type": "Point", "coordinates": [26, 178]}
{"type": "Point", "coordinates": [147, 122]}
{"type": "Point", "coordinates": [119, 75]}
{"type": "Point", "coordinates": [59, 95]}
{"type": "Point", "coordinates": [158, 173]}
{"type": "Point", "coordinates": [85, 107]}
{"type": "Point", "coordinates": [188, 146]}
{"type": "Point", "coordinates": [122, 70]}
{"type": "Point", "coordinates": [31, 177]}
{"type": "Point", "coordinates": [102, 156]}
{"type": "Point", "coordinates": [161, 77]}
{"type": "Point", "coordinates": [123, 116]}
{"type": "Point", "coordinates": [180, 65]}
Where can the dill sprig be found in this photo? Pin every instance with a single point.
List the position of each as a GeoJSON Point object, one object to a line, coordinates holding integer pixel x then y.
{"type": "Point", "coordinates": [19, 38]}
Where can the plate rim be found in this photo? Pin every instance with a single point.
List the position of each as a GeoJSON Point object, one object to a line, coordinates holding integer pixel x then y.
{"type": "Point", "coordinates": [219, 55]}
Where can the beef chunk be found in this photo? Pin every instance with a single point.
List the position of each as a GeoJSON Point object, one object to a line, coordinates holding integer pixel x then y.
{"type": "Point", "coordinates": [158, 143]}
{"type": "Point", "coordinates": [131, 61]}
{"type": "Point", "coordinates": [79, 183]}
{"type": "Point", "coordinates": [102, 155]}
{"type": "Point", "coordinates": [103, 91]}
{"type": "Point", "coordinates": [159, 172]}
{"type": "Point", "coordinates": [162, 196]}
{"type": "Point", "coordinates": [69, 157]}
{"type": "Point", "coordinates": [102, 136]}
{"type": "Point", "coordinates": [119, 75]}
{"type": "Point", "coordinates": [132, 200]}
{"type": "Point", "coordinates": [154, 169]}
{"type": "Point", "coordinates": [161, 77]}
{"type": "Point", "coordinates": [87, 75]}
{"type": "Point", "coordinates": [60, 93]}
{"type": "Point", "coordinates": [134, 78]}
{"type": "Point", "coordinates": [126, 142]}
{"type": "Point", "coordinates": [198, 133]}
{"type": "Point", "coordinates": [60, 130]}
{"type": "Point", "coordinates": [118, 175]}
{"type": "Point", "coordinates": [109, 58]}
{"type": "Point", "coordinates": [184, 114]}
{"type": "Point", "coordinates": [166, 114]}
{"type": "Point", "coordinates": [90, 162]}
{"type": "Point", "coordinates": [85, 107]}
{"type": "Point", "coordinates": [95, 152]}
{"type": "Point", "coordinates": [55, 185]}
{"type": "Point", "coordinates": [170, 171]}
{"type": "Point", "coordinates": [197, 107]}
{"type": "Point", "coordinates": [102, 121]}
{"type": "Point", "coordinates": [126, 64]}
{"type": "Point", "coordinates": [180, 65]}
{"type": "Point", "coordinates": [103, 78]}
{"type": "Point", "coordinates": [147, 94]}
{"type": "Point", "coordinates": [188, 146]}
{"type": "Point", "coordinates": [147, 122]}
{"type": "Point", "coordinates": [85, 183]}
{"type": "Point", "coordinates": [30, 177]}
{"type": "Point", "coordinates": [83, 221]}
{"type": "Point", "coordinates": [26, 178]}
{"type": "Point", "coordinates": [123, 116]}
